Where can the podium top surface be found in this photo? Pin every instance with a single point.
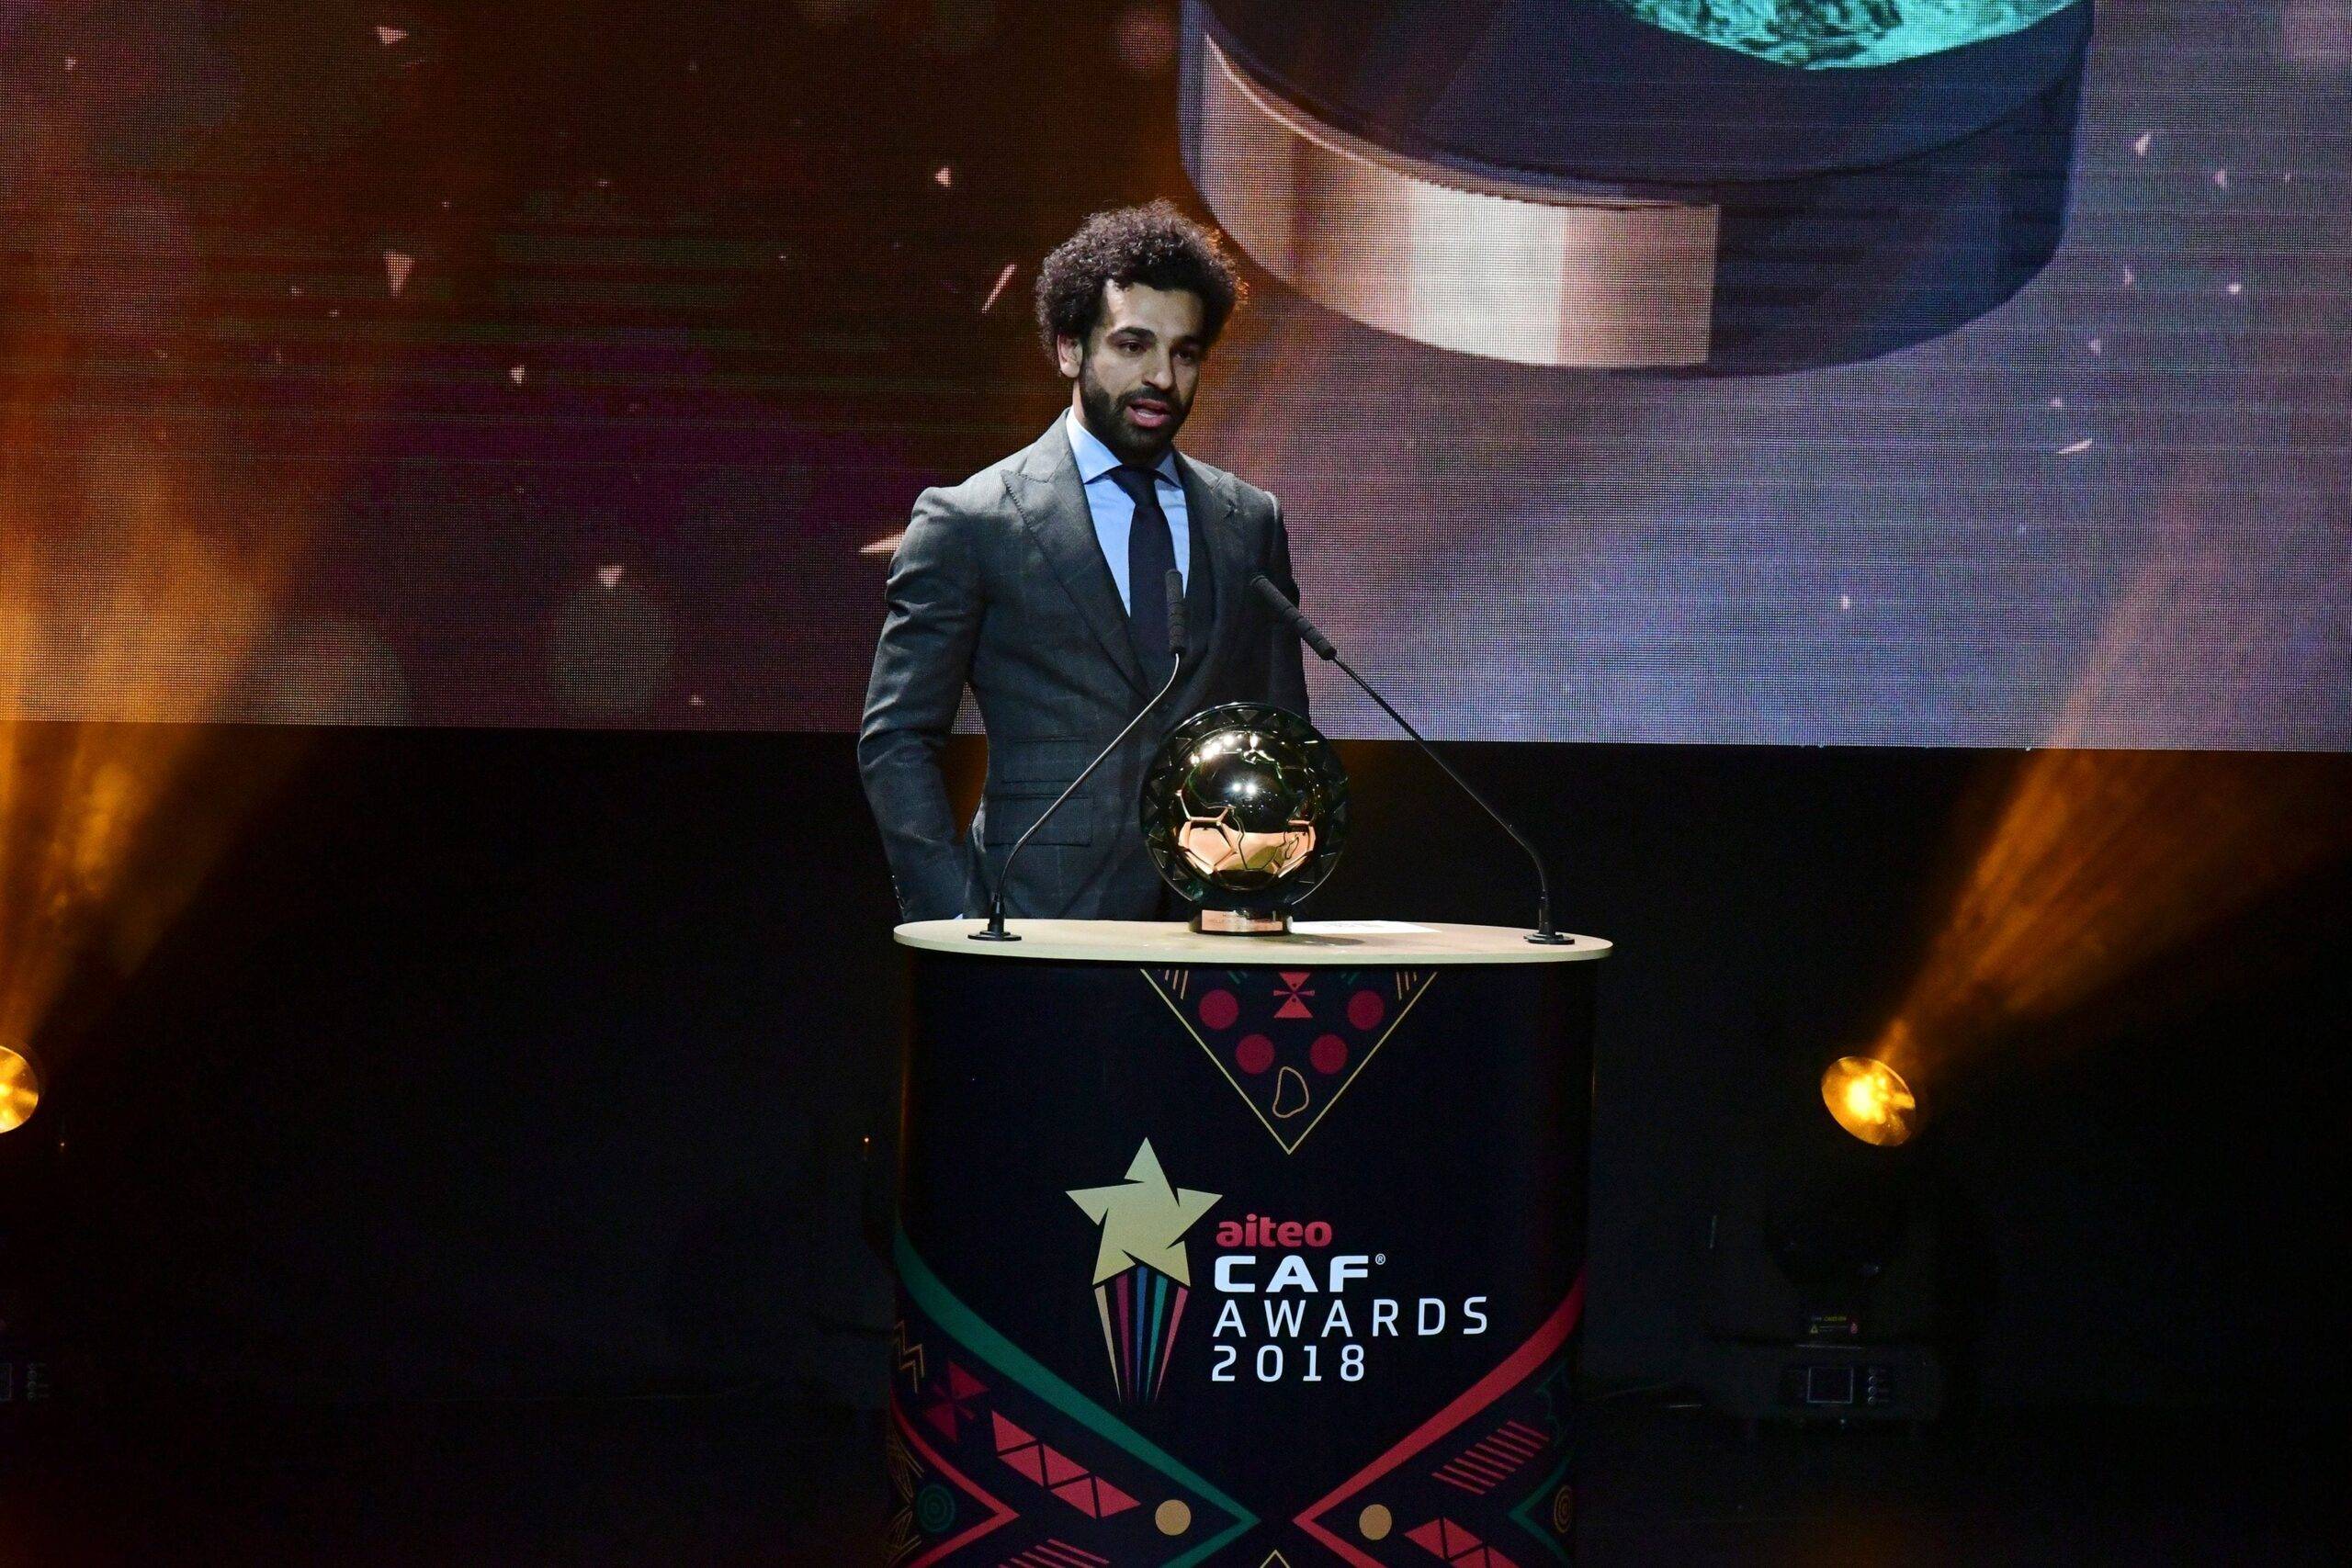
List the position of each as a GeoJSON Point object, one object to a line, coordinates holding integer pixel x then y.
{"type": "Point", "coordinates": [1410, 942]}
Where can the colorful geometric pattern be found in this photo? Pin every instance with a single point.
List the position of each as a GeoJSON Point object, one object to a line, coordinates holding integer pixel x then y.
{"type": "Point", "coordinates": [1039, 1476]}
{"type": "Point", "coordinates": [1059, 1473]}
{"type": "Point", "coordinates": [1290, 1041]}
{"type": "Point", "coordinates": [1403, 1495]}
{"type": "Point", "coordinates": [1079, 1488]}
{"type": "Point", "coordinates": [934, 1499]}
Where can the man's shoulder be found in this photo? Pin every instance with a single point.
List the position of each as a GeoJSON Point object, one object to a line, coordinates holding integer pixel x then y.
{"type": "Point", "coordinates": [980, 492]}
{"type": "Point", "coordinates": [1247, 497]}
{"type": "Point", "coordinates": [986, 492]}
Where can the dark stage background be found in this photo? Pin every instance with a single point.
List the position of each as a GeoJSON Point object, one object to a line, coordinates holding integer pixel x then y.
{"type": "Point", "coordinates": [492, 1065]}
{"type": "Point", "coordinates": [474, 437]}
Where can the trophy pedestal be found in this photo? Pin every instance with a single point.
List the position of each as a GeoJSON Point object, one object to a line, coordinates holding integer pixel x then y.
{"type": "Point", "coordinates": [1241, 923]}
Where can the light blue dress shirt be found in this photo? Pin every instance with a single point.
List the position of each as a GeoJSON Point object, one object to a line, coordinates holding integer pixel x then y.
{"type": "Point", "coordinates": [1114, 510]}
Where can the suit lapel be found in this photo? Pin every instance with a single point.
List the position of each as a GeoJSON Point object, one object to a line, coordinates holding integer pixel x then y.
{"type": "Point", "coordinates": [1052, 504]}
{"type": "Point", "coordinates": [1208, 596]}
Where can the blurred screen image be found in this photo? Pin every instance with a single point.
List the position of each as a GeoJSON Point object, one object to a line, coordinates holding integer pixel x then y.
{"type": "Point", "coordinates": [1935, 373]}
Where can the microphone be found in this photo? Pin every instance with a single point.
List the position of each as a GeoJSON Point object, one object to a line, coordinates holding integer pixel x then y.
{"type": "Point", "coordinates": [1177, 629]}
{"type": "Point", "coordinates": [1308, 633]}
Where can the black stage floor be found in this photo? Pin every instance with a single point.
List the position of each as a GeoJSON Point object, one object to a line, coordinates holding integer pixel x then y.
{"type": "Point", "coordinates": [758, 1481]}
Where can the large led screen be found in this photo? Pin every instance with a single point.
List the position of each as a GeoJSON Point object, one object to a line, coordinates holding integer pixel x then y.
{"type": "Point", "coordinates": [1938, 372]}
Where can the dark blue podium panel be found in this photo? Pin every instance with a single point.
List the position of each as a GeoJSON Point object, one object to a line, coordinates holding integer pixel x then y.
{"type": "Point", "coordinates": [1207, 1263]}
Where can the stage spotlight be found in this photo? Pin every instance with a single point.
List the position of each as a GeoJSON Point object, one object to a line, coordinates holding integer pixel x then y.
{"type": "Point", "coordinates": [19, 1089]}
{"type": "Point", "coordinates": [1826, 1274]}
{"type": "Point", "coordinates": [1870, 1100]}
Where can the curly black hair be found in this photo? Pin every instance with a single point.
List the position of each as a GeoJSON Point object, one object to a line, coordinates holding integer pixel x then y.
{"type": "Point", "coordinates": [1157, 246]}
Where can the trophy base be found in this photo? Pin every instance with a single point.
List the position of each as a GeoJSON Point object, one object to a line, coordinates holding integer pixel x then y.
{"type": "Point", "coordinates": [1240, 922]}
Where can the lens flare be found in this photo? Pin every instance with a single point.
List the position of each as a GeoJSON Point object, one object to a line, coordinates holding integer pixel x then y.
{"type": "Point", "coordinates": [144, 562]}
{"type": "Point", "coordinates": [1870, 1100]}
{"type": "Point", "coordinates": [19, 1091]}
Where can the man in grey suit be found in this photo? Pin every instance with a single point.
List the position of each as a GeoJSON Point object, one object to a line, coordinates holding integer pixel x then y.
{"type": "Point", "coordinates": [1039, 582]}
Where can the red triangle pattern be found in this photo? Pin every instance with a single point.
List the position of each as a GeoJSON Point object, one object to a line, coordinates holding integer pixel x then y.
{"type": "Point", "coordinates": [1456, 1545]}
{"type": "Point", "coordinates": [1293, 1006]}
{"type": "Point", "coordinates": [1019, 1450]}
{"type": "Point", "coordinates": [945, 1413]}
{"type": "Point", "coordinates": [1058, 1472]}
{"type": "Point", "coordinates": [1095, 1497]}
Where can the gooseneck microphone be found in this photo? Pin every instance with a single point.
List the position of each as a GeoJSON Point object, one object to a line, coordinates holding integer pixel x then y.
{"type": "Point", "coordinates": [1292, 615]}
{"type": "Point", "coordinates": [1177, 634]}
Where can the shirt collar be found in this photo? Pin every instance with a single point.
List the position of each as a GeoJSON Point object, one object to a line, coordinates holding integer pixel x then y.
{"type": "Point", "coordinates": [1095, 460]}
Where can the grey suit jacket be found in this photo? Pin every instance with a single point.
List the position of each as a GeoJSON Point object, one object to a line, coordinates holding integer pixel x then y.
{"type": "Point", "coordinates": [1001, 583]}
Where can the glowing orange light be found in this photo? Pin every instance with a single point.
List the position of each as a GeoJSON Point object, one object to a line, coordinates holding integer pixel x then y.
{"type": "Point", "coordinates": [2098, 865]}
{"type": "Point", "coordinates": [143, 570]}
{"type": "Point", "coordinates": [19, 1091]}
{"type": "Point", "coordinates": [1870, 1100]}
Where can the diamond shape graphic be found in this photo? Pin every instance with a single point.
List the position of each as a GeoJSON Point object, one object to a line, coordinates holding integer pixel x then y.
{"type": "Point", "coordinates": [1291, 1041]}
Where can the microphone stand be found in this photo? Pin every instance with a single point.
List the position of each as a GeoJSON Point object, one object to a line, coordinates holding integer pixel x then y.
{"type": "Point", "coordinates": [1177, 637]}
{"type": "Point", "coordinates": [1308, 633]}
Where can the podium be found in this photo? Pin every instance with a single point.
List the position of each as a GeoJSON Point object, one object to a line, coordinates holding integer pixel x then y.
{"type": "Point", "coordinates": [1255, 1250]}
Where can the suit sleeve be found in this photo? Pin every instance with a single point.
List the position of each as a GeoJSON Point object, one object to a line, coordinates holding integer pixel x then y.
{"type": "Point", "coordinates": [931, 623]}
{"type": "Point", "coordinates": [1286, 660]}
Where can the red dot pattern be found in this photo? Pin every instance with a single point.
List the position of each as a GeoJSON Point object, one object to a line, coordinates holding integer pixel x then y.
{"type": "Point", "coordinates": [1219, 1008]}
{"type": "Point", "coordinates": [1329, 1053]}
{"type": "Point", "coordinates": [1365, 1009]}
{"type": "Point", "coordinates": [1254, 1055]}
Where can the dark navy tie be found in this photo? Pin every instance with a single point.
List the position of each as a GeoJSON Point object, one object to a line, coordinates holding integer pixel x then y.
{"type": "Point", "coordinates": [1151, 556]}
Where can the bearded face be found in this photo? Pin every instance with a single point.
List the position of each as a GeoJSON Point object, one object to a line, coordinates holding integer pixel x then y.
{"type": "Point", "coordinates": [1137, 372]}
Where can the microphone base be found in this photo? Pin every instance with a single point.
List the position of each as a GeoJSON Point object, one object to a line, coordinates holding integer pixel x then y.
{"type": "Point", "coordinates": [1241, 923]}
{"type": "Point", "coordinates": [989, 933]}
{"type": "Point", "coordinates": [1551, 939]}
